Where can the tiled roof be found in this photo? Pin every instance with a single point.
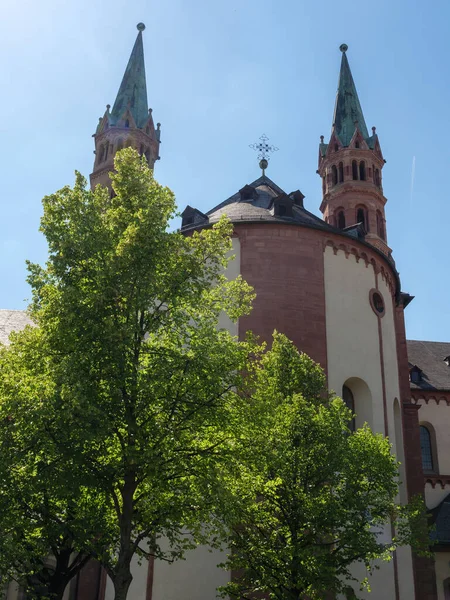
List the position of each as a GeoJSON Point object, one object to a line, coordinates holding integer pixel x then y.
{"type": "Point", "coordinates": [429, 357]}
{"type": "Point", "coordinates": [12, 320]}
{"type": "Point", "coordinates": [261, 207]}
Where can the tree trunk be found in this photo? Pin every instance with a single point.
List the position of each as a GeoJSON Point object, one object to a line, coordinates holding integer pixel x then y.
{"type": "Point", "coordinates": [56, 587]}
{"type": "Point", "coordinates": [122, 583]}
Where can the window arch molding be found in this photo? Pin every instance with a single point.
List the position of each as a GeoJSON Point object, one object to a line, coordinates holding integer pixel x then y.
{"type": "Point", "coordinates": [362, 400]}
{"type": "Point", "coordinates": [349, 401]}
{"type": "Point", "coordinates": [428, 447]}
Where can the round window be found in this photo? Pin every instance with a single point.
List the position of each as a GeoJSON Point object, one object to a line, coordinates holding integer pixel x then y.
{"type": "Point", "coordinates": [377, 302]}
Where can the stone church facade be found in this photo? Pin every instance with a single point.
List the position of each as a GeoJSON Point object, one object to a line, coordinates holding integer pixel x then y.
{"type": "Point", "coordinates": [331, 285]}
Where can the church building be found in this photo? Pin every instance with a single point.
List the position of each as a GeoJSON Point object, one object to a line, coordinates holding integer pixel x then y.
{"type": "Point", "coordinates": [331, 285]}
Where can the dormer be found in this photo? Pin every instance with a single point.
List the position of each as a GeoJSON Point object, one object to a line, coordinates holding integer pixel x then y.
{"type": "Point", "coordinates": [192, 216]}
{"type": "Point", "coordinates": [358, 140]}
{"type": "Point", "coordinates": [282, 206]}
{"type": "Point", "coordinates": [248, 193]}
{"type": "Point", "coordinates": [415, 374]}
{"type": "Point", "coordinates": [297, 197]}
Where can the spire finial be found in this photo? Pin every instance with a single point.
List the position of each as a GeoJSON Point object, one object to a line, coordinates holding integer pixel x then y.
{"type": "Point", "coordinates": [263, 149]}
{"type": "Point", "coordinates": [140, 26]}
{"type": "Point", "coordinates": [374, 129]}
{"type": "Point", "coordinates": [343, 47]}
{"type": "Point", "coordinates": [321, 139]}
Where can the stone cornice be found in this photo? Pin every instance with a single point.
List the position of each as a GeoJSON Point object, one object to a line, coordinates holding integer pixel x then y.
{"type": "Point", "coordinates": [440, 397]}
{"type": "Point", "coordinates": [435, 479]}
{"type": "Point", "coordinates": [362, 253]}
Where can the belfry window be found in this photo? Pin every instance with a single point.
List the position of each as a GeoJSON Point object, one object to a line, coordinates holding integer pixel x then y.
{"type": "Point", "coordinates": [380, 226]}
{"type": "Point", "coordinates": [425, 448]}
{"type": "Point", "coordinates": [127, 123]}
{"type": "Point", "coordinates": [341, 173]}
{"type": "Point", "coordinates": [357, 144]}
{"type": "Point", "coordinates": [377, 177]}
{"type": "Point", "coordinates": [341, 219]}
{"type": "Point", "coordinates": [361, 217]}
{"type": "Point", "coordinates": [362, 170]}
{"type": "Point", "coordinates": [349, 400]}
{"type": "Point", "coordinates": [334, 176]}
{"type": "Point", "coordinates": [355, 169]}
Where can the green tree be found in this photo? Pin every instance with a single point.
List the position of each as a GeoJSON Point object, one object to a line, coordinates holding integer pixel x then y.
{"type": "Point", "coordinates": [41, 502]}
{"type": "Point", "coordinates": [311, 498]}
{"type": "Point", "coordinates": [136, 390]}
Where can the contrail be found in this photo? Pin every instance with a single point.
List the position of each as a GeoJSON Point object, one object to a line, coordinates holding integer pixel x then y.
{"type": "Point", "coordinates": [413, 172]}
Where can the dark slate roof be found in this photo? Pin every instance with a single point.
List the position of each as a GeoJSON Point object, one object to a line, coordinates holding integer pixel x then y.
{"type": "Point", "coordinates": [440, 517]}
{"type": "Point", "coordinates": [12, 320]}
{"type": "Point", "coordinates": [261, 207]}
{"type": "Point", "coordinates": [429, 357]}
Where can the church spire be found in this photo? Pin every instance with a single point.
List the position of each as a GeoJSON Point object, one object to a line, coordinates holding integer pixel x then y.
{"type": "Point", "coordinates": [132, 93]}
{"type": "Point", "coordinates": [347, 111]}
{"type": "Point", "coordinates": [130, 123]}
{"type": "Point", "coordinates": [350, 166]}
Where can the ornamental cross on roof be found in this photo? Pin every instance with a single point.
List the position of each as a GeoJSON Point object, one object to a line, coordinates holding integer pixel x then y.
{"type": "Point", "coordinates": [264, 150]}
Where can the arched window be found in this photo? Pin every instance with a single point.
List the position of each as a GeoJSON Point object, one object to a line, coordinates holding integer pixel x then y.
{"type": "Point", "coordinates": [106, 150]}
{"type": "Point", "coordinates": [361, 217]}
{"type": "Point", "coordinates": [341, 173]}
{"type": "Point", "coordinates": [324, 185]}
{"type": "Point", "coordinates": [336, 147]}
{"type": "Point", "coordinates": [377, 177]}
{"type": "Point", "coordinates": [357, 144]}
{"type": "Point", "coordinates": [341, 219]}
{"type": "Point", "coordinates": [141, 149]}
{"type": "Point", "coordinates": [334, 174]}
{"type": "Point", "coordinates": [119, 145]}
{"type": "Point", "coordinates": [127, 123]}
{"type": "Point", "coordinates": [348, 398]}
{"type": "Point", "coordinates": [101, 154]}
{"type": "Point", "coordinates": [362, 170]}
{"type": "Point", "coordinates": [446, 583]}
{"type": "Point", "coordinates": [355, 169]}
{"type": "Point", "coordinates": [426, 449]}
{"type": "Point", "coordinates": [380, 225]}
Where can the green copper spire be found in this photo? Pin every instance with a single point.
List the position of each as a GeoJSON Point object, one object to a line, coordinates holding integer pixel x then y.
{"type": "Point", "coordinates": [347, 111]}
{"type": "Point", "coordinates": [133, 89]}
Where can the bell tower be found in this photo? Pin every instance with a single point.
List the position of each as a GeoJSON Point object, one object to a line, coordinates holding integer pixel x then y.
{"type": "Point", "coordinates": [129, 123]}
{"type": "Point", "coordinates": [350, 166]}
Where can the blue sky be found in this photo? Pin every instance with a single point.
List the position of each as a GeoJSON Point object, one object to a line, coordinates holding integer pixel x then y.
{"type": "Point", "coordinates": [219, 74]}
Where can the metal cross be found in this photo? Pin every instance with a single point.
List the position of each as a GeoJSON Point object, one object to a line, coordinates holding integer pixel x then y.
{"type": "Point", "coordinates": [264, 150]}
